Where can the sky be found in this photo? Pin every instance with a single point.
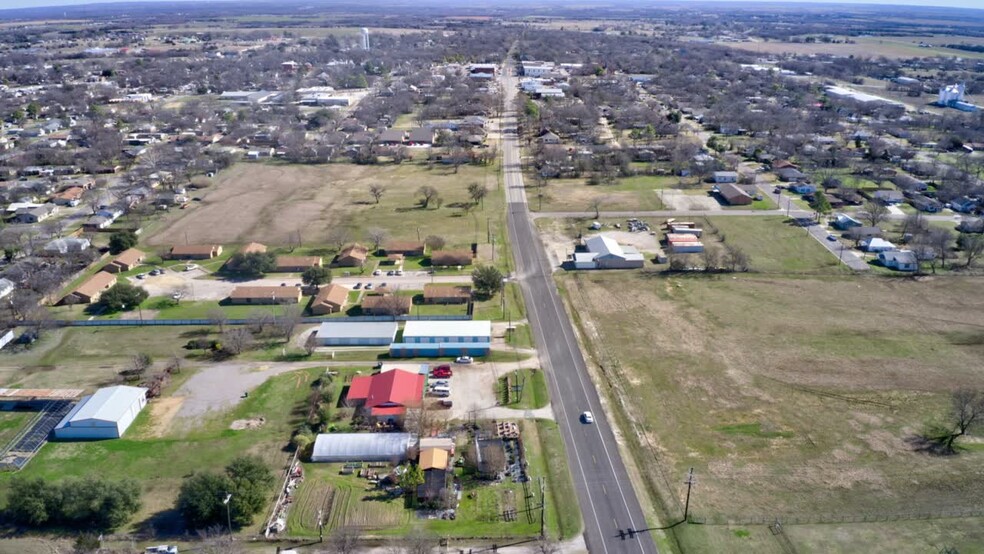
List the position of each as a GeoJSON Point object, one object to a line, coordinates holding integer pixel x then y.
{"type": "Point", "coordinates": [979, 4]}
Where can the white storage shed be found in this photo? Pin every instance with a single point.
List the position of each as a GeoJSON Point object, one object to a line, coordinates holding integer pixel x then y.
{"type": "Point", "coordinates": [103, 415]}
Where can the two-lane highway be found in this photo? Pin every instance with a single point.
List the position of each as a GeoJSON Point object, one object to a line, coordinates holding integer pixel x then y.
{"type": "Point", "coordinates": [605, 494]}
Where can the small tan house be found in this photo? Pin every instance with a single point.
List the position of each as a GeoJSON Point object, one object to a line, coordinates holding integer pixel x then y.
{"type": "Point", "coordinates": [195, 251]}
{"type": "Point", "coordinates": [407, 248]}
{"type": "Point", "coordinates": [127, 260]}
{"type": "Point", "coordinates": [253, 248]}
{"type": "Point", "coordinates": [353, 255]}
{"type": "Point", "coordinates": [265, 295]}
{"type": "Point", "coordinates": [386, 304]}
{"type": "Point", "coordinates": [447, 294]}
{"type": "Point", "coordinates": [90, 291]}
{"type": "Point", "coordinates": [297, 264]}
{"type": "Point", "coordinates": [329, 300]}
{"type": "Point", "coordinates": [451, 257]}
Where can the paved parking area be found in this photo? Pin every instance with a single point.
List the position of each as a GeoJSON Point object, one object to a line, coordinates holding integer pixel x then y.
{"type": "Point", "coordinates": [472, 390]}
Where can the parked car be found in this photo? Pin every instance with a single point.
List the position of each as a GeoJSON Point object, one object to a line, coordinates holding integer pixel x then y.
{"type": "Point", "coordinates": [442, 372]}
{"type": "Point", "coordinates": [399, 272]}
{"type": "Point", "coordinates": [357, 286]}
{"type": "Point", "coordinates": [587, 417]}
{"type": "Point", "coordinates": [831, 238]}
{"type": "Point", "coordinates": [368, 286]}
{"type": "Point", "coordinates": [441, 383]}
{"type": "Point", "coordinates": [463, 360]}
{"type": "Point", "coordinates": [441, 391]}
{"type": "Point", "coordinates": [389, 273]}
{"type": "Point", "coordinates": [141, 276]}
{"type": "Point", "coordinates": [162, 549]}
{"type": "Point", "coordinates": [377, 272]}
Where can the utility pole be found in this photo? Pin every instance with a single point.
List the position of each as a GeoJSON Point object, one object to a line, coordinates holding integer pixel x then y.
{"type": "Point", "coordinates": [228, 497]}
{"type": "Point", "coordinates": [690, 482]}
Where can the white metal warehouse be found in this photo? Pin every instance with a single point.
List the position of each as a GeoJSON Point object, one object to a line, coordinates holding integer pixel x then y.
{"type": "Point", "coordinates": [356, 333]}
{"type": "Point", "coordinates": [103, 415]}
{"type": "Point", "coordinates": [427, 332]}
{"type": "Point", "coordinates": [361, 447]}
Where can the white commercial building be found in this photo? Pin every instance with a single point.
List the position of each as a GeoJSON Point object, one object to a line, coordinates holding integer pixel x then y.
{"type": "Point", "coordinates": [950, 94]}
{"type": "Point", "coordinates": [103, 415]}
{"type": "Point", "coordinates": [537, 69]}
{"type": "Point", "coordinates": [427, 332]}
{"type": "Point", "coordinates": [356, 333]}
{"type": "Point", "coordinates": [606, 253]}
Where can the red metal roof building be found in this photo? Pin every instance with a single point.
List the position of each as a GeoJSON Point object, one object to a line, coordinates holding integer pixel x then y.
{"type": "Point", "coordinates": [386, 395]}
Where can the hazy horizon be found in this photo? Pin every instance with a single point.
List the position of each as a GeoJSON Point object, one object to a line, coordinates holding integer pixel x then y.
{"type": "Point", "coordinates": [969, 4]}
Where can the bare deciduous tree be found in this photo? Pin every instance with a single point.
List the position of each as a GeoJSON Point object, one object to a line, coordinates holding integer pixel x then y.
{"type": "Point", "coordinates": [288, 320]}
{"type": "Point", "coordinates": [428, 194]}
{"type": "Point", "coordinates": [237, 340]}
{"type": "Point", "coordinates": [218, 317]}
{"type": "Point", "coordinates": [596, 203]}
{"type": "Point", "coordinates": [376, 236]}
{"type": "Point", "coordinates": [344, 541]}
{"type": "Point", "coordinates": [434, 242]}
{"type": "Point", "coordinates": [338, 236]}
{"type": "Point", "coordinates": [875, 212]}
{"type": "Point", "coordinates": [973, 246]}
{"type": "Point", "coordinates": [377, 191]}
{"type": "Point", "coordinates": [712, 258]}
{"type": "Point", "coordinates": [966, 413]}
{"type": "Point", "coordinates": [735, 259]}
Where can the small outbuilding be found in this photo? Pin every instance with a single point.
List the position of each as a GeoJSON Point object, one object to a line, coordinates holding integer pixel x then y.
{"type": "Point", "coordinates": [361, 447]}
{"type": "Point", "coordinates": [104, 415]}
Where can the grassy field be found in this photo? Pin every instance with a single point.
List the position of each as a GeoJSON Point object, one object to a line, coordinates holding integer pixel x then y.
{"type": "Point", "coordinates": [575, 195]}
{"type": "Point", "coordinates": [160, 463]}
{"type": "Point", "coordinates": [11, 423]}
{"type": "Point", "coordinates": [90, 356]}
{"type": "Point", "coordinates": [773, 245]}
{"type": "Point", "coordinates": [796, 394]}
{"type": "Point", "coordinates": [273, 203]}
{"type": "Point", "coordinates": [890, 47]}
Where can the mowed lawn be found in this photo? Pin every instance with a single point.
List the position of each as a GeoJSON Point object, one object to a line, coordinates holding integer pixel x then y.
{"type": "Point", "coordinates": [790, 396]}
{"type": "Point", "coordinates": [273, 203]}
{"type": "Point", "coordinates": [160, 463]}
{"type": "Point", "coordinates": [773, 244]}
{"type": "Point", "coordinates": [87, 357]}
{"type": "Point", "coordinates": [575, 195]}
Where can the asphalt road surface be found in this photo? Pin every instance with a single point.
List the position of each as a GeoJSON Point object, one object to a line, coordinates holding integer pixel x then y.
{"type": "Point", "coordinates": [605, 495]}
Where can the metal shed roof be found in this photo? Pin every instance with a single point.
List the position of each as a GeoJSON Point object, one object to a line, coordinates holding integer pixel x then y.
{"type": "Point", "coordinates": [358, 329]}
{"type": "Point", "coordinates": [360, 446]}
{"type": "Point", "coordinates": [481, 328]}
{"type": "Point", "coordinates": [108, 404]}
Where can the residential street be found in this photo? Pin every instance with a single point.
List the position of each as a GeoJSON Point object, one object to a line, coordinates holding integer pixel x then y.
{"type": "Point", "coordinates": [608, 502]}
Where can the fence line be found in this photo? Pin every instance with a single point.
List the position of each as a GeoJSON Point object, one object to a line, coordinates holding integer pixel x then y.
{"type": "Point", "coordinates": [813, 519]}
{"type": "Point", "coordinates": [239, 321]}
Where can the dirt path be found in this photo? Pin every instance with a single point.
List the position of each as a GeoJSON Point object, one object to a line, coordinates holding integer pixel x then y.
{"type": "Point", "coordinates": [221, 386]}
